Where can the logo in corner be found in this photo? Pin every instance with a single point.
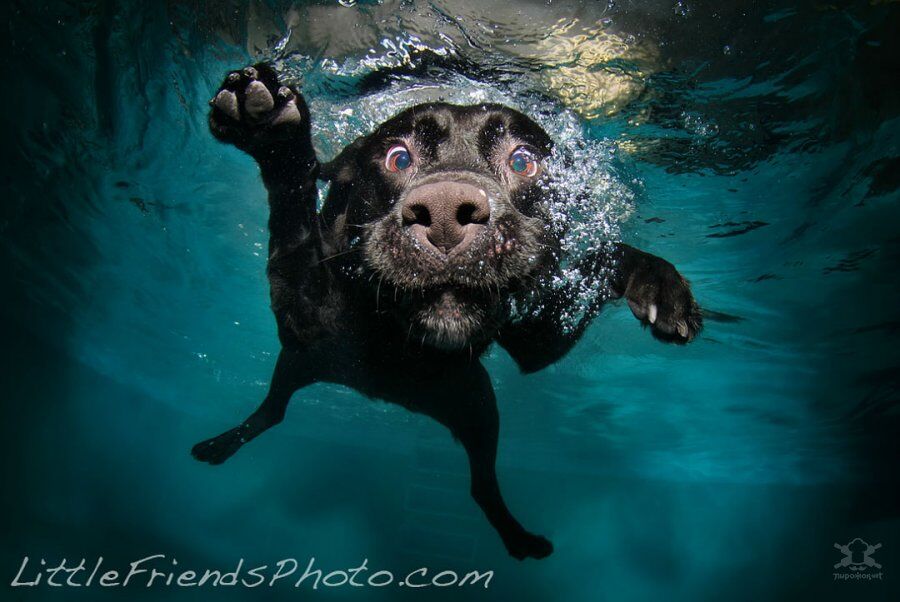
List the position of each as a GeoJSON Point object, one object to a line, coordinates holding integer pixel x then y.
{"type": "Point", "coordinates": [858, 558]}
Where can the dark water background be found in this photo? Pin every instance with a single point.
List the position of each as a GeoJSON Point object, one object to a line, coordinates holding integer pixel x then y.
{"type": "Point", "coordinates": [753, 144]}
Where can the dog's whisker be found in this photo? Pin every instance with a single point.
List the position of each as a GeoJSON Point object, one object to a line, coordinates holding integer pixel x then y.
{"type": "Point", "coordinates": [378, 293]}
{"type": "Point", "coordinates": [330, 257]}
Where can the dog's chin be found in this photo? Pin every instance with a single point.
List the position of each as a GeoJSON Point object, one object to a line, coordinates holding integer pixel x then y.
{"type": "Point", "coordinates": [448, 321]}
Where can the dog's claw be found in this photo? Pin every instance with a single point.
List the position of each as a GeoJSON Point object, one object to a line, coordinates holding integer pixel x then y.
{"type": "Point", "coordinates": [661, 298]}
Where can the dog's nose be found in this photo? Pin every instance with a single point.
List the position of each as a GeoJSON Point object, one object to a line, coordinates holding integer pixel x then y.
{"type": "Point", "coordinates": [446, 215]}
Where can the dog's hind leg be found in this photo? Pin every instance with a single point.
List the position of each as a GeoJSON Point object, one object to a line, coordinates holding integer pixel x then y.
{"type": "Point", "coordinates": [468, 407]}
{"type": "Point", "coordinates": [481, 446]}
{"type": "Point", "coordinates": [290, 374]}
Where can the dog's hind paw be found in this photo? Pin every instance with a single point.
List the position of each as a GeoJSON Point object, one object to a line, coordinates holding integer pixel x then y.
{"type": "Point", "coordinates": [528, 545]}
{"type": "Point", "coordinates": [218, 449]}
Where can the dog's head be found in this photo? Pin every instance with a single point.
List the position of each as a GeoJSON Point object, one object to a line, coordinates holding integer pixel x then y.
{"type": "Point", "coordinates": [448, 207]}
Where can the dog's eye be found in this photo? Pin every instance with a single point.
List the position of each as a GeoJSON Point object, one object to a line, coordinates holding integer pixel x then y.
{"type": "Point", "coordinates": [397, 158]}
{"type": "Point", "coordinates": [523, 162]}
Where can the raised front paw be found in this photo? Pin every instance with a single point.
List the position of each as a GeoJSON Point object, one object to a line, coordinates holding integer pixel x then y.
{"type": "Point", "coordinates": [660, 297]}
{"type": "Point", "coordinates": [253, 111]}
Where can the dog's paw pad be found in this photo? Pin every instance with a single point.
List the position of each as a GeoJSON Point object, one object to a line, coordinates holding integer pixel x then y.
{"type": "Point", "coordinates": [257, 99]}
{"type": "Point", "coordinates": [227, 102]}
{"type": "Point", "coordinates": [253, 110]}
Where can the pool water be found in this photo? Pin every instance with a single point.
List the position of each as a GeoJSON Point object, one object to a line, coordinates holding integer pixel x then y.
{"type": "Point", "coordinates": [755, 146]}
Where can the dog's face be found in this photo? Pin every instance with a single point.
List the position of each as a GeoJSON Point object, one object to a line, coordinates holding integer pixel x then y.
{"type": "Point", "coordinates": [448, 205]}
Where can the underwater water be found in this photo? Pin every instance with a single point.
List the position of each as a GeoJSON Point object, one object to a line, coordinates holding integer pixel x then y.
{"type": "Point", "coordinates": [755, 145]}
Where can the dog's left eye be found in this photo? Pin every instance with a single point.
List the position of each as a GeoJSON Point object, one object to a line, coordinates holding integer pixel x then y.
{"type": "Point", "coordinates": [397, 158]}
{"type": "Point", "coordinates": [523, 162]}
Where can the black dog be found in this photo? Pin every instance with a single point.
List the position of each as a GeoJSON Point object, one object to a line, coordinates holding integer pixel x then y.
{"type": "Point", "coordinates": [436, 225]}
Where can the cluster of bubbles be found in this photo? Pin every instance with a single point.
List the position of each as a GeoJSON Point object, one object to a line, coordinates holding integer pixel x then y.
{"type": "Point", "coordinates": [699, 126]}
{"type": "Point", "coordinates": [591, 198]}
{"type": "Point", "coordinates": [589, 194]}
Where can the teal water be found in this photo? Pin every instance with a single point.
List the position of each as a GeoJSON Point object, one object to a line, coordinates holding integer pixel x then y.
{"type": "Point", "coordinates": [755, 146]}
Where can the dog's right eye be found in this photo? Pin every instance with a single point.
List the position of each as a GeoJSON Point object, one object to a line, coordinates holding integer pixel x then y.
{"type": "Point", "coordinates": [523, 162]}
{"type": "Point", "coordinates": [397, 158]}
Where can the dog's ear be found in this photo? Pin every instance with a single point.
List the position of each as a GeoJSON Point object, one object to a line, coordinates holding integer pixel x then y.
{"type": "Point", "coordinates": [343, 169]}
{"type": "Point", "coordinates": [345, 178]}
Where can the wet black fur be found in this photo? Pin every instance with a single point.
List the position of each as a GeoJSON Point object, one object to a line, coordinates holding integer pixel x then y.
{"type": "Point", "coordinates": [358, 303]}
